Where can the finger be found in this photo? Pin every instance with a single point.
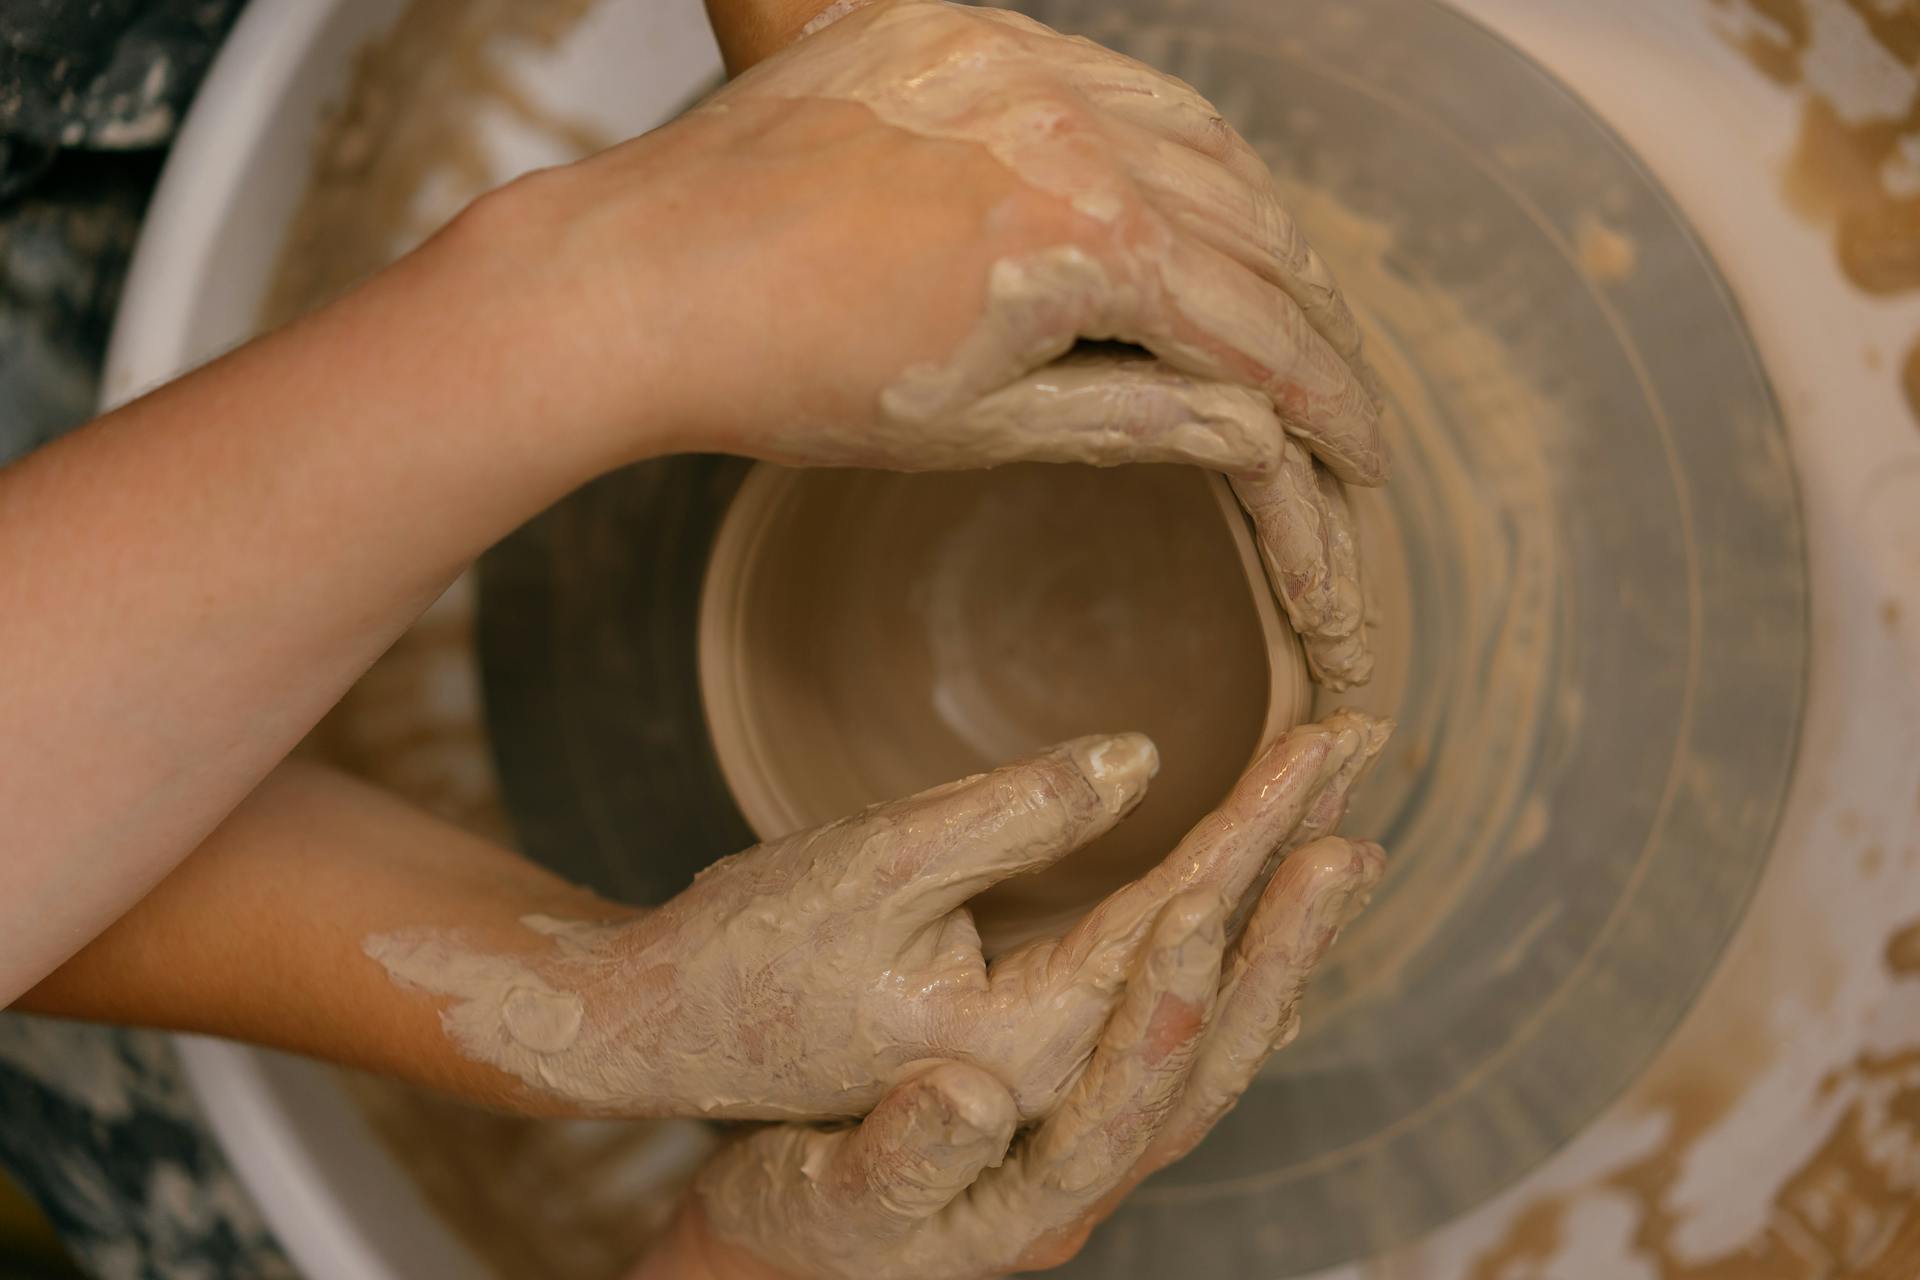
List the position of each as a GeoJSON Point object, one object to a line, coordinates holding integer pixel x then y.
{"type": "Point", "coordinates": [929, 853]}
{"type": "Point", "coordinates": [1316, 893]}
{"type": "Point", "coordinates": [1234, 847]}
{"type": "Point", "coordinates": [1326, 810]}
{"type": "Point", "coordinates": [1191, 305]}
{"type": "Point", "coordinates": [1244, 220]}
{"type": "Point", "coordinates": [1255, 333]}
{"type": "Point", "coordinates": [1363, 737]}
{"type": "Point", "coordinates": [1106, 408]}
{"type": "Point", "coordinates": [1304, 529]}
{"type": "Point", "coordinates": [1110, 1118]}
{"type": "Point", "coordinates": [831, 1195]}
{"type": "Point", "coordinates": [926, 1142]}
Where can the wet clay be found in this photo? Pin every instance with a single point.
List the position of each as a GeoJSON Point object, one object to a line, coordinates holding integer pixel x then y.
{"type": "Point", "coordinates": [1480, 506]}
{"type": "Point", "coordinates": [921, 68]}
{"type": "Point", "coordinates": [1847, 1210]}
{"type": "Point", "coordinates": [1853, 168]}
{"type": "Point", "coordinates": [867, 634]}
{"type": "Point", "coordinates": [808, 976]}
{"type": "Point", "coordinates": [1606, 256]}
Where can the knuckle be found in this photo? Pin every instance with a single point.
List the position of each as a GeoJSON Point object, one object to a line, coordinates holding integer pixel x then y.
{"type": "Point", "coordinates": [1059, 794]}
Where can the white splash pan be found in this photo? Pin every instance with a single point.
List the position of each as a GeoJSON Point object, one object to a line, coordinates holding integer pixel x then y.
{"type": "Point", "coordinates": [1806, 975]}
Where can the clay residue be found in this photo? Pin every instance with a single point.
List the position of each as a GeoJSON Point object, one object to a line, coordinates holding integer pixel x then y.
{"type": "Point", "coordinates": [1838, 176]}
{"type": "Point", "coordinates": [1477, 510]}
{"type": "Point", "coordinates": [1847, 1209]}
{"type": "Point", "coordinates": [501, 1010]}
{"type": "Point", "coordinates": [1855, 167]}
{"type": "Point", "coordinates": [1604, 255]}
{"type": "Point", "coordinates": [1903, 950]}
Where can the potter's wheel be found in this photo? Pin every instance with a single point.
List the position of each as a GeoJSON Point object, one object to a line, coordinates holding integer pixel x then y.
{"type": "Point", "coordinates": [1596, 630]}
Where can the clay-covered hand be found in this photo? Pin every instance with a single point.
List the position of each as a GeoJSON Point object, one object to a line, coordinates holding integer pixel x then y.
{"type": "Point", "coordinates": [806, 977]}
{"type": "Point", "coordinates": [934, 1184]}
{"type": "Point", "coordinates": [932, 236]}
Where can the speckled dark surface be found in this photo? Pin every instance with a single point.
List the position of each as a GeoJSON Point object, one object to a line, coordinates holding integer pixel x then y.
{"type": "Point", "coordinates": [97, 1123]}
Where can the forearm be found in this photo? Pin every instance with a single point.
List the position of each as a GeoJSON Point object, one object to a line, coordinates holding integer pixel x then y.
{"type": "Point", "coordinates": [189, 583]}
{"type": "Point", "coordinates": [258, 936]}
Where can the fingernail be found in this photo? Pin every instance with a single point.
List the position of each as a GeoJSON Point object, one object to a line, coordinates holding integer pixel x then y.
{"type": "Point", "coordinates": [965, 1109]}
{"type": "Point", "coordinates": [1118, 767]}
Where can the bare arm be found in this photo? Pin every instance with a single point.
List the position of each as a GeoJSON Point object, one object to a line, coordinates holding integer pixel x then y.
{"type": "Point", "coordinates": [259, 935]}
{"type": "Point", "coordinates": [329, 918]}
{"type": "Point", "coordinates": [188, 583]}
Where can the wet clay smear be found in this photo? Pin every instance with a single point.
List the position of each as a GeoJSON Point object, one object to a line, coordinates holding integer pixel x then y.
{"type": "Point", "coordinates": [1855, 168]}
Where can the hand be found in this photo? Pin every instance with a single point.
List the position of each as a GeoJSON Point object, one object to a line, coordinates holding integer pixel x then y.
{"type": "Point", "coordinates": [934, 1185]}
{"type": "Point", "coordinates": [892, 244]}
{"type": "Point", "coordinates": [806, 977]}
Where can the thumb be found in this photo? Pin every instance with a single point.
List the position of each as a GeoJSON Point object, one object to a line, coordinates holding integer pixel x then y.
{"type": "Point", "coordinates": [841, 1198]}
{"type": "Point", "coordinates": [931, 852]}
{"type": "Point", "coordinates": [923, 1145]}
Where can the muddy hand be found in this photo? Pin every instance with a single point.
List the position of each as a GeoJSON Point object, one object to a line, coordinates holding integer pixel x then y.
{"type": "Point", "coordinates": [931, 237]}
{"type": "Point", "coordinates": [805, 977]}
{"type": "Point", "coordinates": [933, 1185]}
{"type": "Point", "coordinates": [1310, 549]}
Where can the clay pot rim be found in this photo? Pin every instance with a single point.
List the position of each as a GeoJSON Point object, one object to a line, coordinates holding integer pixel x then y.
{"type": "Point", "coordinates": [745, 760]}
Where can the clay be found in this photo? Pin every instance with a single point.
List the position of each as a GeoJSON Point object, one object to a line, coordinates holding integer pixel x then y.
{"type": "Point", "coordinates": [1848, 1209]}
{"type": "Point", "coordinates": [865, 634]}
{"type": "Point", "coordinates": [1606, 256]}
{"type": "Point", "coordinates": [1487, 505]}
{"type": "Point", "coordinates": [1836, 176]}
{"type": "Point", "coordinates": [1851, 168]}
{"type": "Point", "coordinates": [1094, 405]}
{"type": "Point", "coordinates": [503, 1012]}
{"type": "Point", "coordinates": [1310, 552]}
{"type": "Point", "coordinates": [806, 977]}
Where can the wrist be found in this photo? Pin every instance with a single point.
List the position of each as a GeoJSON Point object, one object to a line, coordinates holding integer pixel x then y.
{"type": "Point", "coordinates": [573, 372]}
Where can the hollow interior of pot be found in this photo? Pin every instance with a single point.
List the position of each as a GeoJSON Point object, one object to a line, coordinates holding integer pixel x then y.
{"type": "Point", "coordinates": [867, 635]}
